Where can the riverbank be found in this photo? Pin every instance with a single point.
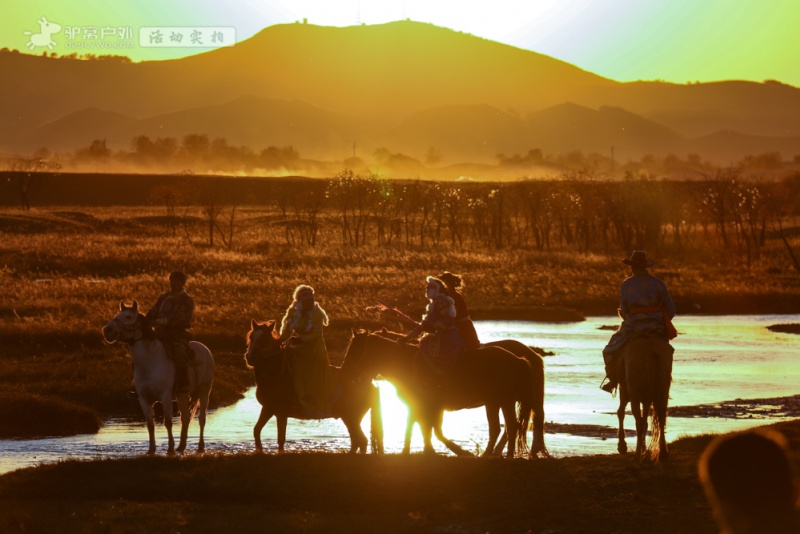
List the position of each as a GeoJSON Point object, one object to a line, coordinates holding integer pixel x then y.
{"type": "Point", "coordinates": [341, 493]}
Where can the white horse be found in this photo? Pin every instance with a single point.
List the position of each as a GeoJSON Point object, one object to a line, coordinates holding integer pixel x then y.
{"type": "Point", "coordinates": [154, 374]}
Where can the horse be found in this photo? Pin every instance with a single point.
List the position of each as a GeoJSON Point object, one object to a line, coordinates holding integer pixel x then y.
{"type": "Point", "coordinates": [154, 375]}
{"type": "Point", "coordinates": [488, 376]}
{"type": "Point", "coordinates": [647, 371]}
{"type": "Point", "coordinates": [495, 448]}
{"type": "Point", "coordinates": [536, 361]}
{"type": "Point", "coordinates": [275, 392]}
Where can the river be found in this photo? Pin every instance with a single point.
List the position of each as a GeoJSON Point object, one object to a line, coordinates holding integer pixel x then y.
{"type": "Point", "coordinates": [717, 358]}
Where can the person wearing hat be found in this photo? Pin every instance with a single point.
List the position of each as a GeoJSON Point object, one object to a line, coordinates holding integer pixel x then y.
{"type": "Point", "coordinates": [645, 307]}
{"type": "Point", "coordinates": [454, 284]}
{"type": "Point", "coordinates": [441, 345]}
{"type": "Point", "coordinates": [309, 364]}
{"type": "Point", "coordinates": [172, 316]}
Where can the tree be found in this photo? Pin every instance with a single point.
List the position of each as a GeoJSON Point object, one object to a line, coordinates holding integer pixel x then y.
{"type": "Point", "coordinates": [25, 170]}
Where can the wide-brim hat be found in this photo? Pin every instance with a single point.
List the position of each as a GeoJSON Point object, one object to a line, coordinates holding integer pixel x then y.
{"type": "Point", "coordinates": [638, 259]}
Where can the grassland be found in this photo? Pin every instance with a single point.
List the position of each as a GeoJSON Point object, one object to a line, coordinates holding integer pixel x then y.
{"type": "Point", "coordinates": [63, 272]}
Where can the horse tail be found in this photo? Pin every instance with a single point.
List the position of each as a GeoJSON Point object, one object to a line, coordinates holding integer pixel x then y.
{"type": "Point", "coordinates": [527, 401]}
{"type": "Point", "coordinates": [661, 377]}
{"type": "Point", "coordinates": [538, 447]}
{"type": "Point", "coordinates": [194, 402]}
{"type": "Point", "coordinates": [376, 421]}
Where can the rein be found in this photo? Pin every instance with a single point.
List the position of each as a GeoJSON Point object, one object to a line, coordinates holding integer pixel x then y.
{"type": "Point", "coordinates": [126, 329]}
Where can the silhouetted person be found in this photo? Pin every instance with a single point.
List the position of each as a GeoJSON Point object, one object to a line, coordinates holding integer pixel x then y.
{"type": "Point", "coordinates": [454, 284]}
{"type": "Point", "coordinates": [645, 307]}
{"type": "Point", "coordinates": [172, 316]}
{"type": "Point", "coordinates": [309, 364]}
{"type": "Point", "coordinates": [748, 481]}
{"type": "Point", "coordinates": [441, 345]}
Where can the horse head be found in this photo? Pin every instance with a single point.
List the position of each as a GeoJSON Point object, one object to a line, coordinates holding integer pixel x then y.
{"type": "Point", "coordinates": [262, 340]}
{"type": "Point", "coordinates": [126, 325]}
{"type": "Point", "coordinates": [368, 353]}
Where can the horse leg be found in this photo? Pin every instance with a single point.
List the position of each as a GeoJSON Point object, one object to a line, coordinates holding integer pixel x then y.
{"type": "Point", "coordinates": [426, 425]}
{"type": "Point", "coordinates": [509, 414]}
{"type": "Point", "coordinates": [358, 440]}
{"type": "Point", "coordinates": [281, 419]}
{"type": "Point", "coordinates": [186, 417]}
{"type": "Point", "coordinates": [263, 417]}
{"type": "Point", "coordinates": [641, 425]}
{"type": "Point", "coordinates": [493, 418]}
{"type": "Point", "coordinates": [166, 404]}
{"type": "Point", "coordinates": [147, 410]}
{"type": "Point", "coordinates": [437, 429]}
{"type": "Point", "coordinates": [410, 420]}
{"type": "Point", "coordinates": [622, 445]}
{"type": "Point", "coordinates": [201, 417]}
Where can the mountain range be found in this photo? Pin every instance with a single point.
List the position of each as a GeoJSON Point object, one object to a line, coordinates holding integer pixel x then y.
{"type": "Point", "coordinates": [405, 86]}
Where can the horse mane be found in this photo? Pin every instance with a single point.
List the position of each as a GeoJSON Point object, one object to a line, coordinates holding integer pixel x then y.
{"type": "Point", "coordinates": [147, 328]}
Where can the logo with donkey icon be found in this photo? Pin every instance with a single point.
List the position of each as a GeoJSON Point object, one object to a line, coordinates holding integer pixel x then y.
{"type": "Point", "coordinates": [43, 38]}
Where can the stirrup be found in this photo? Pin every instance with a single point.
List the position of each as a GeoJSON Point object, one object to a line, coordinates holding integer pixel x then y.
{"type": "Point", "coordinates": [608, 386]}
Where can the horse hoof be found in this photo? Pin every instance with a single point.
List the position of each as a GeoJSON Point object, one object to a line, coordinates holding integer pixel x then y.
{"type": "Point", "coordinates": [622, 448]}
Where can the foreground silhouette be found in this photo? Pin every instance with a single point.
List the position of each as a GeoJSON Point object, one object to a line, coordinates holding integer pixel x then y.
{"type": "Point", "coordinates": [747, 478]}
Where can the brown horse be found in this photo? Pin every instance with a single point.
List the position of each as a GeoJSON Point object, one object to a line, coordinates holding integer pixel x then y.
{"type": "Point", "coordinates": [275, 392]}
{"type": "Point", "coordinates": [647, 364]}
{"type": "Point", "coordinates": [489, 376]}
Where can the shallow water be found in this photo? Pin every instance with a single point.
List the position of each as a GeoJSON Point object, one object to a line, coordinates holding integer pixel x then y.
{"type": "Point", "coordinates": [717, 359]}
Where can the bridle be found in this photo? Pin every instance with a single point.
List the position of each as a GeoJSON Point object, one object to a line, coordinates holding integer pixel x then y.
{"type": "Point", "coordinates": [128, 331]}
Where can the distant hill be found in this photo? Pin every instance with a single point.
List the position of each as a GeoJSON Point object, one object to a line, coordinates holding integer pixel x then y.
{"type": "Point", "coordinates": [406, 86]}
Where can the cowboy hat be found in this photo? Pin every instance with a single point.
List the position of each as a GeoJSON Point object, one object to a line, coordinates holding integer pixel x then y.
{"type": "Point", "coordinates": [638, 259]}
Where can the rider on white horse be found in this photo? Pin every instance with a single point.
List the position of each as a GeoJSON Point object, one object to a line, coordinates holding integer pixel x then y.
{"type": "Point", "coordinates": [645, 307]}
{"type": "Point", "coordinates": [172, 316]}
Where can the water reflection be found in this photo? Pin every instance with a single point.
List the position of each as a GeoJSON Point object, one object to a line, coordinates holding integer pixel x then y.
{"type": "Point", "coordinates": [716, 359]}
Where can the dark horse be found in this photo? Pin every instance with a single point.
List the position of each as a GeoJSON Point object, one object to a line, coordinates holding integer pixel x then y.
{"type": "Point", "coordinates": [490, 376]}
{"type": "Point", "coordinates": [647, 364]}
{"type": "Point", "coordinates": [495, 448]}
{"type": "Point", "coordinates": [275, 392]}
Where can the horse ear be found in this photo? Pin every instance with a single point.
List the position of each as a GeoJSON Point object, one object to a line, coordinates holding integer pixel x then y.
{"type": "Point", "coordinates": [135, 306]}
{"type": "Point", "coordinates": [121, 306]}
{"type": "Point", "coordinates": [252, 324]}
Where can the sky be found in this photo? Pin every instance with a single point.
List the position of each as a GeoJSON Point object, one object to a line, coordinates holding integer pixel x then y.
{"type": "Point", "coordinates": [679, 41]}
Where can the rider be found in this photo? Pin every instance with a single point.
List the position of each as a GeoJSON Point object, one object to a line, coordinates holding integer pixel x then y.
{"type": "Point", "coordinates": [645, 307]}
{"type": "Point", "coordinates": [310, 367]}
{"type": "Point", "coordinates": [454, 284]}
{"type": "Point", "coordinates": [442, 343]}
{"type": "Point", "coordinates": [172, 316]}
